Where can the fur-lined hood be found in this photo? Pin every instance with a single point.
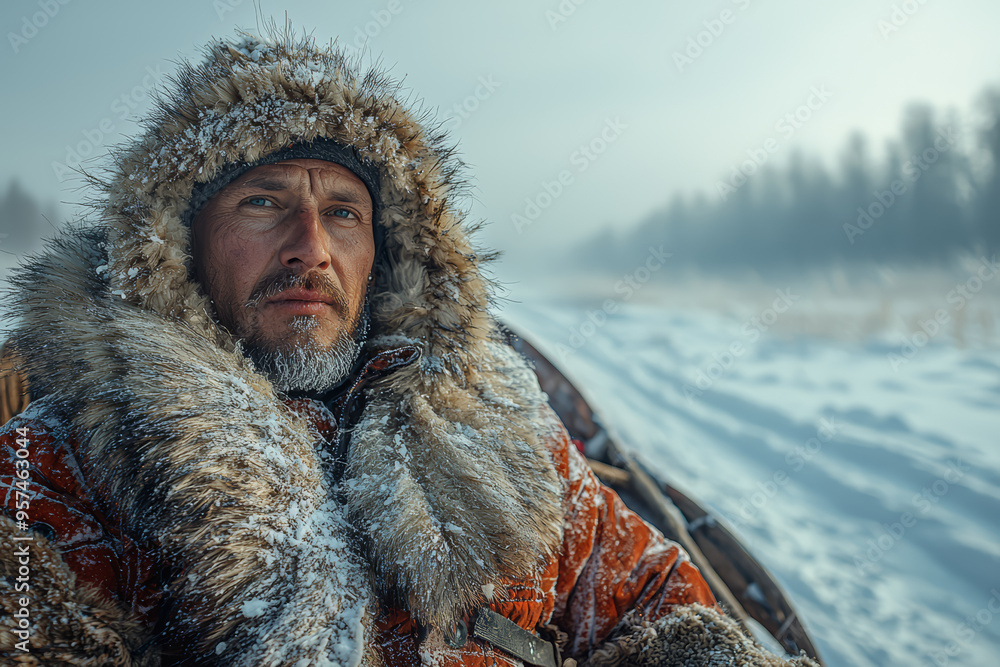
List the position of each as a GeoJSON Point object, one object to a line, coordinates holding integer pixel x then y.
{"type": "Point", "coordinates": [449, 488]}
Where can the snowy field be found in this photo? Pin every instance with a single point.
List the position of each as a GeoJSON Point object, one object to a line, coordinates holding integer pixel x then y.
{"type": "Point", "coordinates": [863, 473]}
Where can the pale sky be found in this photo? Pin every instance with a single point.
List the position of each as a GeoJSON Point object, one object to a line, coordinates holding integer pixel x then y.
{"type": "Point", "coordinates": [552, 86]}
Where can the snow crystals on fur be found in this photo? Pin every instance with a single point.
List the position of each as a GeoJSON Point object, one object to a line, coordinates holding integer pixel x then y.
{"type": "Point", "coordinates": [449, 488]}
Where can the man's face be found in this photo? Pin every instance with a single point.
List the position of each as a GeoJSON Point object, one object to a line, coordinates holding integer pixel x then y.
{"type": "Point", "coordinates": [284, 252]}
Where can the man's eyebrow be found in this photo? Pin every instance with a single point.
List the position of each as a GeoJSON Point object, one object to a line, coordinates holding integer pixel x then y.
{"type": "Point", "coordinates": [276, 184]}
{"type": "Point", "coordinates": [349, 195]}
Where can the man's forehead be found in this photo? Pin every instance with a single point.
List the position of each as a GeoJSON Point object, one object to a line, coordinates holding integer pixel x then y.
{"type": "Point", "coordinates": [298, 167]}
{"type": "Point", "coordinates": [292, 173]}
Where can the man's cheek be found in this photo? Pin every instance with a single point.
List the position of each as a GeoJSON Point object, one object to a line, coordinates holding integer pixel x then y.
{"type": "Point", "coordinates": [241, 270]}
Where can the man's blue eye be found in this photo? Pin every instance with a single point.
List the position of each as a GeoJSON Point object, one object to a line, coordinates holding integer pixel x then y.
{"type": "Point", "coordinates": [341, 213]}
{"type": "Point", "coordinates": [259, 201]}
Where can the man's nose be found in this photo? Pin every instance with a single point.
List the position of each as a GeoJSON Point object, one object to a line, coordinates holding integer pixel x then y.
{"type": "Point", "coordinates": [305, 246]}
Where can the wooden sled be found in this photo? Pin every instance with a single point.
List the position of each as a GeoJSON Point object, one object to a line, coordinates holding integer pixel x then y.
{"type": "Point", "coordinates": [13, 388]}
{"type": "Point", "coordinates": [742, 585]}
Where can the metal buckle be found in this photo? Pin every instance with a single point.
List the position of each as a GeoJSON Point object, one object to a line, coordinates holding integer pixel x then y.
{"type": "Point", "coordinates": [512, 638]}
{"type": "Point", "coordinates": [456, 634]}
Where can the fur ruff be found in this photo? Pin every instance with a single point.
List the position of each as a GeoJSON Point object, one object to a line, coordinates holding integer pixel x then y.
{"type": "Point", "coordinates": [70, 624]}
{"type": "Point", "coordinates": [689, 635]}
{"type": "Point", "coordinates": [449, 483]}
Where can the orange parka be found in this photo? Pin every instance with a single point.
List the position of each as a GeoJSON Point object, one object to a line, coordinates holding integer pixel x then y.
{"type": "Point", "coordinates": [610, 561]}
{"type": "Point", "coordinates": [167, 504]}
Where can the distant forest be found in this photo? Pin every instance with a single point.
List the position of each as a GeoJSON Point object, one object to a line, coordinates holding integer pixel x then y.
{"type": "Point", "coordinates": [923, 202]}
{"type": "Point", "coordinates": [23, 221]}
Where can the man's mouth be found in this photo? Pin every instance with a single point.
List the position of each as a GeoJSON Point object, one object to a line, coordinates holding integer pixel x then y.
{"type": "Point", "coordinates": [299, 301]}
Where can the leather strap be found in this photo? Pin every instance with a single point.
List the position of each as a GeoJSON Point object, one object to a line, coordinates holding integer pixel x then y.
{"type": "Point", "coordinates": [512, 638]}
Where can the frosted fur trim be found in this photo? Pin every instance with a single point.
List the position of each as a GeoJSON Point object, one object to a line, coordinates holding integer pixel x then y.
{"type": "Point", "coordinates": [71, 624]}
{"type": "Point", "coordinates": [131, 355]}
{"type": "Point", "coordinates": [689, 635]}
{"type": "Point", "coordinates": [197, 455]}
{"type": "Point", "coordinates": [453, 501]}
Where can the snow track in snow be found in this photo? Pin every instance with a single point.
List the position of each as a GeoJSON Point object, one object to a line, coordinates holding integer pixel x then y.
{"type": "Point", "coordinates": [872, 493]}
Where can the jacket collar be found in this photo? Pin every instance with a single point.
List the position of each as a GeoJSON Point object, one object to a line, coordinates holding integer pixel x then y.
{"type": "Point", "coordinates": [371, 366]}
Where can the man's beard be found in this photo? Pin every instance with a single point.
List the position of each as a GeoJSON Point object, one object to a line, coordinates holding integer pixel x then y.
{"type": "Point", "coordinates": [305, 365]}
{"type": "Point", "coordinates": [308, 366]}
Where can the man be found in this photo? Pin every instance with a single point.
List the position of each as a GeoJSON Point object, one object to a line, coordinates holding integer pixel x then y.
{"type": "Point", "coordinates": [274, 424]}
